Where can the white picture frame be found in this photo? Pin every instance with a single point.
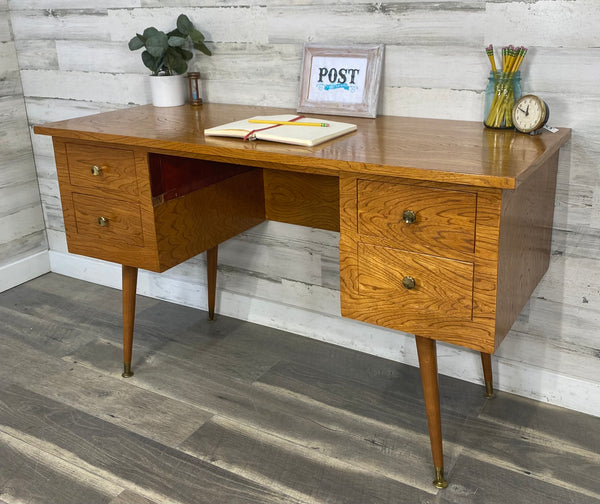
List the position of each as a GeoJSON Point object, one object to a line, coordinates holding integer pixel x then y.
{"type": "Point", "coordinates": [341, 80]}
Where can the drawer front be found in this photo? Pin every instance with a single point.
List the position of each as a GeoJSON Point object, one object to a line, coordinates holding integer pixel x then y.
{"type": "Point", "coordinates": [415, 286]}
{"type": "Point", "coordinates": [434, 219]}
{"type": "Point", "coordinates": [112, 221]}
{"type": "Point", "coordinates": [104, 168]}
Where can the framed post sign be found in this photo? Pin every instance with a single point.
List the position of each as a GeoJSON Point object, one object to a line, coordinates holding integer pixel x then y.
{"type": "Point", "coordinates": [341, 80]}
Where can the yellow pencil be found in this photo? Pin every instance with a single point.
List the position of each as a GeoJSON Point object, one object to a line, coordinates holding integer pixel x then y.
{"type": "Point", "coordinates": [490, 52]}
{"type": "Point", "coordinates": [289, 123]}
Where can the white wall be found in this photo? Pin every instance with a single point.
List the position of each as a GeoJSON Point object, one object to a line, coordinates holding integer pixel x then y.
{"type": "Point", "coordinates": [23, 245]}
{"type": "Point", "coordinates": [74, 60]}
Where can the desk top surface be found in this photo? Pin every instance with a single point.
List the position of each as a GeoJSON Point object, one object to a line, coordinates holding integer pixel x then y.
{"type": "Point", "coordinates": [460, 152]}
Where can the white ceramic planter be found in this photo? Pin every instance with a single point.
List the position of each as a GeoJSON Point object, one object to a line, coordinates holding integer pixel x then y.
{"type": "Point", "coordinates": [167, 90]}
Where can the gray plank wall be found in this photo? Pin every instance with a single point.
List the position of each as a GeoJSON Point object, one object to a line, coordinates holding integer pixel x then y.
{"type": "Point", "coordinates": [74, 61]}
{"type": "Point", "coordinates": [23, 244]}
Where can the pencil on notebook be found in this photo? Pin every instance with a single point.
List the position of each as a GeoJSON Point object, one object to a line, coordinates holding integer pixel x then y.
{"type": "Point", "coordinates": [290, 123]}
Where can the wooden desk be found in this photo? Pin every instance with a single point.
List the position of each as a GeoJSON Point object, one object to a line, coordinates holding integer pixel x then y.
{"type": "Point", "coordinates": [445, 226]}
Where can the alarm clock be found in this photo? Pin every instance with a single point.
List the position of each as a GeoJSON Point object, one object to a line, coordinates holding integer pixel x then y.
{"type": "Point", "coordinates": [530, 114]}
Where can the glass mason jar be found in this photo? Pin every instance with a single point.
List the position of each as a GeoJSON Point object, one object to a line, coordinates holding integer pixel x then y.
{"type": "Point", "coordinates": [503, 90]}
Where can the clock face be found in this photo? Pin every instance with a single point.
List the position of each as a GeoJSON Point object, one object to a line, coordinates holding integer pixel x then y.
{"type": "Point", "coordinates": [529, 114]}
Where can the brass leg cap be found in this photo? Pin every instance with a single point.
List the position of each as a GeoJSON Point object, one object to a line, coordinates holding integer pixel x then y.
{"type": "Point", "coordinates": [489, 390]}
{"type": "Point", "coordinates": [439, 481]}
{"type": "Point", "coordinates": [127, 372]}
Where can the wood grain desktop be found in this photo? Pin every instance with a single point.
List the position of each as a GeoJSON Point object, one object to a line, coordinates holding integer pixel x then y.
{"type": "Point", "coordinates": [445, 226]}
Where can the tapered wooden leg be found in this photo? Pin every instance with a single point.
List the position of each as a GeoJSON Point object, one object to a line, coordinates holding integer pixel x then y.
{"type": "Point", "coordinates": [486, 362]}
{"type": "Point", "coordinates": [426, 349]}
{"type": "Point", "coordinates": [211, 273]}
{"type": "Point", "coordinates": [129, 291]}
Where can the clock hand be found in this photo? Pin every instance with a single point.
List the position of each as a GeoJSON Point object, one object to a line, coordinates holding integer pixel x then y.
{"type": "Point", "coordinates": [527, 111]}
{"type": "Point", "coordinates": [524, 111]}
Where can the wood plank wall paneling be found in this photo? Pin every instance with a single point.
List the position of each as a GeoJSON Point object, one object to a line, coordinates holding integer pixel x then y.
{"type": "Point", "coordinates": [22, 232]}
{"type": "Point", "coordinates": [74, 61]}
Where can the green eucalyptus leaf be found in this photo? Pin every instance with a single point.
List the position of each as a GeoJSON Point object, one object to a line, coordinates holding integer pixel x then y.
{"type": "Point", "coordinates": [176, 33]}
{"type": "Point", "coordinates": [202, 48]}
{"type": "Point", "coordinates": [175, 62]}
{"type": "Point", "coordinates": [180, 67]}
{"type": "Point", "coordinates": [176, 41]}
{"type": "Point", "coordinates": [136, 43]}
{"type": "Point", "coordinates": [157, 44]}
{"type": "Point", "coordinates": [196, 36]}
{"type": "Point", "coordinates": [150, 62]}
{"type": "Point", "coordinates": [150, 32]}
{"type": "Point", "coordinates": [164, 52]}
{"type": "Point", "coordinates": [185, 54]}
{"type": "Point", "coordinates": [184, 25]}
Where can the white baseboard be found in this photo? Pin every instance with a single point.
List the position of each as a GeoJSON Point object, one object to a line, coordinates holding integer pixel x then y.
{"type": "Point", "coordinates": [86, 268]}
{"type": "Point", "coordinates": [25, 269]}
{"type": "Point", "coordinates": [519, 378]}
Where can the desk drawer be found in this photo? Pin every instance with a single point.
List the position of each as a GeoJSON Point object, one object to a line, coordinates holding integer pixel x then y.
{"type": "Point", "coordinates": [415, 286]}
{"type": "Point", "coordinates": [107, 220]}
{"type": "Point", "coordinates": [104, 168]}
{"type": "Point", "coordinates": [435, 219]}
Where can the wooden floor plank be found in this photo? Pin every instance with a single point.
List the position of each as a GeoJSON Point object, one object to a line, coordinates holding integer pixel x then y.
{"type": "Point", "coordinates": [225, 337]}
{"type": "Point", "coordinates": [110, 398]}
{"type": "Point", "coordinates": [68, 292]}
{"type": "Point", "coordinates": [512, 411]}
{"type": "Point", "coordinates": [390, 403]}
{"type": "Point", "coordinates": [185, 332]}
{"type": "Point", "coordinates": [230, 412]}
{"type": "Point", "coordinates": [128, 458]}
{"type": "Point", "coordinates": [391, 442]}
{"type": "Point", "coordinates": [45, 332]}
{"type": "Point", "coordinates": [546, 457]}
{"type": "Point", "coordinates": [57, 322]}
{"type": "Point", "coordinates": [27, 477]}
{"type": "Point", "coordinates": [129, 497]}
{"type": "Point", "coordinates": [301, 470]}
{"type": "Point", "coordinates": [477, 482]}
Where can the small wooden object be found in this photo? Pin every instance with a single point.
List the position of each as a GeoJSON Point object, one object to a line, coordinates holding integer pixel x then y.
{"type": "Point", "coordinates": [194, 88]}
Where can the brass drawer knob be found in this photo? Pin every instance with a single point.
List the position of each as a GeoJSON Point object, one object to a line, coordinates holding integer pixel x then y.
{"type": "Point", "coordinates": [96, 171]}
{"type": "Point", "coordinates": [409, 216]}
{"type": "Point", "coordinates": [102, 221]}
{"type": "Point", "coordinates": [408, 282]}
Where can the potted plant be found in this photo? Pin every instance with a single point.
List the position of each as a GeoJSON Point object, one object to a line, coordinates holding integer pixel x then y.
{"type": "Point", "coordinates": [166, 56]}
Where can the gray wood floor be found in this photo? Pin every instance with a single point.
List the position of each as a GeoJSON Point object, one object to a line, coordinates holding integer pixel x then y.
{"type": "Point", "coordinates": [230, 412]}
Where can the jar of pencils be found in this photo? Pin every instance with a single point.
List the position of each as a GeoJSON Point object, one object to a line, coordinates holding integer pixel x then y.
{"type": "Point", "coordinates": [503, 90]}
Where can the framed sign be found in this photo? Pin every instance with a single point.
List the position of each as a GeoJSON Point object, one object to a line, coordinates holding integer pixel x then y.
{"type": "Point", "coordinates": [341, 80]}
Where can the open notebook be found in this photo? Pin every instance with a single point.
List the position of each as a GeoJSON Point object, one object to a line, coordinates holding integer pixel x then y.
{"type": "Point", "coordinates": [290, 134]}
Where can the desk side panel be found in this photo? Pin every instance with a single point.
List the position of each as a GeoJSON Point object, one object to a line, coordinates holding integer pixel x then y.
{"type": "Point", "coordinates": [203, 219]}
{"type": "Point", "coordinates": [525, 242]}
